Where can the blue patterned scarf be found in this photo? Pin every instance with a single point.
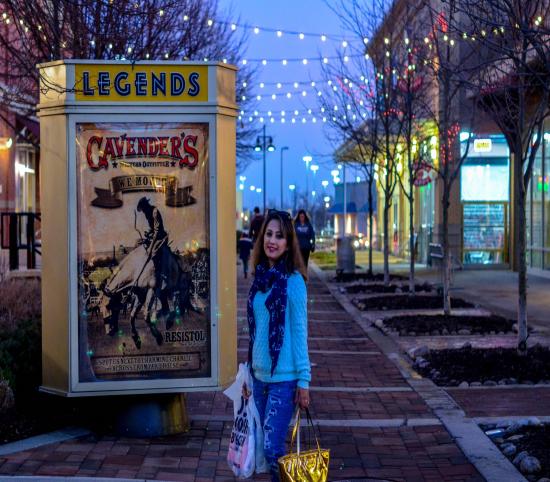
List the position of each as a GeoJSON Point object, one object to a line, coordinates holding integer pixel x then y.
{"type": "Point", "coordinates": [276, 279]}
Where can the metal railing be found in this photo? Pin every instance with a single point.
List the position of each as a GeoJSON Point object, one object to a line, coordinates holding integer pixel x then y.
{"type": "Point", "coordinates": [21, 232]}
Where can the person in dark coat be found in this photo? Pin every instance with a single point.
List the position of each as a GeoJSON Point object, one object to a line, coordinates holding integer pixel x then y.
{"type": "Point", "coordinates": [245, 247]}
{"type": "Point", "coordinates": [306, 235]}
{"type": "Point", "coordinates": [255, 224]}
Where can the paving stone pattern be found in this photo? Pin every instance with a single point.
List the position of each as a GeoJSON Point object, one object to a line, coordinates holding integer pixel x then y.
{"type": "Point", "coordinates": [351, 387]}
{"type": "Point", "coordinates": [504, 402]}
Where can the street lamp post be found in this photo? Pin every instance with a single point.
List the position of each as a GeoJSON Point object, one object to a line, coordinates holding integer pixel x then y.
{"type": "Point", "coordinates": [292, 188]}
{"type": "Point", "coordinates": [283, 149]}
{"type": "Point", "coordinates": [307, 160]}
{"type": "Point", "coordinates": [261, 146]}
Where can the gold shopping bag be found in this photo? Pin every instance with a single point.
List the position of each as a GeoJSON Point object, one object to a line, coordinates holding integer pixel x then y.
{"type": "Point", "coordinates": [304, 466]}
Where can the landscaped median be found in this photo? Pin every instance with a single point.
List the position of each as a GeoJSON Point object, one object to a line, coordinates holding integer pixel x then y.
{"type": "Point", "coordinates": [472, 355]}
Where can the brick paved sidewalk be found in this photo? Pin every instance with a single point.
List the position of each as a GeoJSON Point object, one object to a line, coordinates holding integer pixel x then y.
{"type": "Point", "coordinates": [375, 423]}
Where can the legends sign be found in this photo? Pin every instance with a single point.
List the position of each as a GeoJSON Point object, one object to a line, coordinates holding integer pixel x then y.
{"type": "Point", "coordinates": [141, 83]}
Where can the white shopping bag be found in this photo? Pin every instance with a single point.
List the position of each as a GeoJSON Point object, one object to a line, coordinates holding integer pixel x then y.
{"type": "Point", "coordinates": [246, 446]}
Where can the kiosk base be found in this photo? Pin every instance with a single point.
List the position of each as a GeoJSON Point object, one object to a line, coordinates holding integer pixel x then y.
{"type": "Point", "coordinates": [152, 416]}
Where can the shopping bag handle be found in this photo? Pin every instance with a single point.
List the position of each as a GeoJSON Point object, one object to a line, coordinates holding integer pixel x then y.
{"type": "Point", "coordinates": [296, 430]}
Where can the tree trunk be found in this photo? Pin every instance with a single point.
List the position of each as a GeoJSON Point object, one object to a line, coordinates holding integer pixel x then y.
{"type": "Point", "coordinates": [521, 256]}
{"type": "Point", "coordinates": [371, 216]}
{"type": "Point", "coordinates": [386, 243]}
{"type": "Point", "coordinates": [411, 240]}
{"type": "Point", "coordinates": [446, 261]}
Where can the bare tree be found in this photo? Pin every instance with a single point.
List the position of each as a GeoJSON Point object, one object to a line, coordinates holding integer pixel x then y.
{"type": "Point", "coordinates": [45, 30]}
{"type": "Point", "coordinates": [414, 134]}
{"type": "Point", "coordinates": [348, 103]}
{"type": "Point", "coordinates": [448, 65]}
{"type": "Point", "coordinates": [514, 89]}
{"type": "Point", "coordinates": [364, 19]}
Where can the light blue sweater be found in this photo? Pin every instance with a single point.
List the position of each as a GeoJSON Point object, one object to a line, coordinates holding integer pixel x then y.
{"type": "Point", "coordinates": [293, 363]}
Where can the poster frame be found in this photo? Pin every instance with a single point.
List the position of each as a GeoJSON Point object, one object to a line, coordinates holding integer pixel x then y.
{"type": "Point", "coordinates": [102, 115]}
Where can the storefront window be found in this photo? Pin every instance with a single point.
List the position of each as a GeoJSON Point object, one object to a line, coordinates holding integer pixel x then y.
{"type": "Point", "coordinates": [537, 193]}
{"type": "Point", "coordinates": [25, 178]}
{"type": "Point", "coordinates": [538, 209]}
{"type": "Point", "coordinates": [485, 193]}
{"type": "Point", "coordinates": [426, 220]}
{"type": "Point", "coordinates": [529, 224]}
{"type": "Point", "coordinates": [546, 204]}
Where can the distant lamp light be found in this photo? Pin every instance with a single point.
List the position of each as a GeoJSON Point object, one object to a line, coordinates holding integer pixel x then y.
{"type": "Point", "coordinates": [258, 146]}
{"type": "Point", "coordinates": [324, 183]}
{"type": "Point", "coordinates": [270, 146]}
{"type": "Point", "coordinates": [252, 188]}
{"type": "Point", "coordinates": [337, 180]}
{"type": "Point", "coordinates": [242, 178]}
{"type": "Point", "coordinates": [5, 143]}
{"type": "Point", "coordinates": [313, 193]}
{"type": "Point", "coordinates": [258, 189]}
{"type": "Point", "coordinates": [334, 173]}
{"type": "Point", "coordinates": [326, 199]}
{"type": "Point", "coordinates": [314, 168]}
{"type": "Point", "coordinates": [292, 187]}
{"type": "Point", "coordinates": [241, 187]}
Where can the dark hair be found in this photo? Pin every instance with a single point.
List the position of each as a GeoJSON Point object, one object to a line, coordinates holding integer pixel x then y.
{"type": "Point", "coordinates": [293, 257]}
{"type": "Point", "coordinates": [256, 209]}
{"type": "Point", "coordinates": [297, 218]}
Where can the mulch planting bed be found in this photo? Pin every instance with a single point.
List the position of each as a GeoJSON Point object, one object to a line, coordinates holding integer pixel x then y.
{"type": "Point", "coordinates": [406, 302]}
{"type": "Point", "coordinates": [448, 325]}
{"type": "Point", "coordinates": [17, 425]}
{"type": "Point", "coordinates": [381, 288]}
{"type": "Point", "coordinates": [45, 413]}
{"type": "Point", "coordinates": [520, 440]}
{"type": "Point", "coordinates": [473, 367]}
{"type": "Point", "coordinates": [348, 277]}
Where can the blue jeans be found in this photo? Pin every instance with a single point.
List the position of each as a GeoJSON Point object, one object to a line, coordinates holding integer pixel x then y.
{"type": "Point", "coordinates": [275, 403]}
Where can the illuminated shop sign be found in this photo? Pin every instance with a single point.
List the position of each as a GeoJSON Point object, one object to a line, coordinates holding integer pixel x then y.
{"type": "Point", "coordinates": [483, 145]}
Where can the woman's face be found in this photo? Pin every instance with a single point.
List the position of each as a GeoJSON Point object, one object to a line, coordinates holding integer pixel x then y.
{"type": "Point", "coordinates": [302, 218]}
{"type": "Point", "coordinates": [275, 244]}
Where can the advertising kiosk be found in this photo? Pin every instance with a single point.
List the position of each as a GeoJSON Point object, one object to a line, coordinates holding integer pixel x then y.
{"type": "Point", "coordinates": [138, 228]}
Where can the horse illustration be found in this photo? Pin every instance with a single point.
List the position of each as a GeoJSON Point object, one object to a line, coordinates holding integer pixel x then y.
{"type": "Point", "coordinates": [135, 281]}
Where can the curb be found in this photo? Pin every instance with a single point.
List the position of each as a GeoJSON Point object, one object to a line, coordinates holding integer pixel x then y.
{"type": "Point", "coordinates": [30, 443]}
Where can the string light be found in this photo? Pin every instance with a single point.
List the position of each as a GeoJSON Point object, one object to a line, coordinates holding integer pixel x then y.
{"type": "Point", "coordinates": [302, 60]}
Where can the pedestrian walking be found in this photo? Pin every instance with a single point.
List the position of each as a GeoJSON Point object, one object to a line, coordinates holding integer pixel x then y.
{"type": "Point", "coordinates": [255, 224]}
{"type": "Point", "coordinates": [305, 234]}
{"type": "Point", "coordinates": [277, 321]}
{"type": "Point", "coordinates": [245, 247]}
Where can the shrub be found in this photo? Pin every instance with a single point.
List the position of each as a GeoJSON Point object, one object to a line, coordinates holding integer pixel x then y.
{"type": "Point", "coordinates": [20, 336]}
{"type": "Point", "coordinates": [20, 299]}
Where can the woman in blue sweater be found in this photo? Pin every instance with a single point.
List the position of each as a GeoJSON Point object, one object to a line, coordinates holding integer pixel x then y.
{"type": "Point", "coordinates": [277, 320]}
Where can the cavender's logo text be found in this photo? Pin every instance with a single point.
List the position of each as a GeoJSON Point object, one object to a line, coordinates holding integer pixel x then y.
{"type": "Point", "coordinates": [182, 149]}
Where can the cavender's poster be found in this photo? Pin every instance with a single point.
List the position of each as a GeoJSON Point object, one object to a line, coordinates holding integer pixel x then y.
{"type": "Point", "coordinates": [143, 251]}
